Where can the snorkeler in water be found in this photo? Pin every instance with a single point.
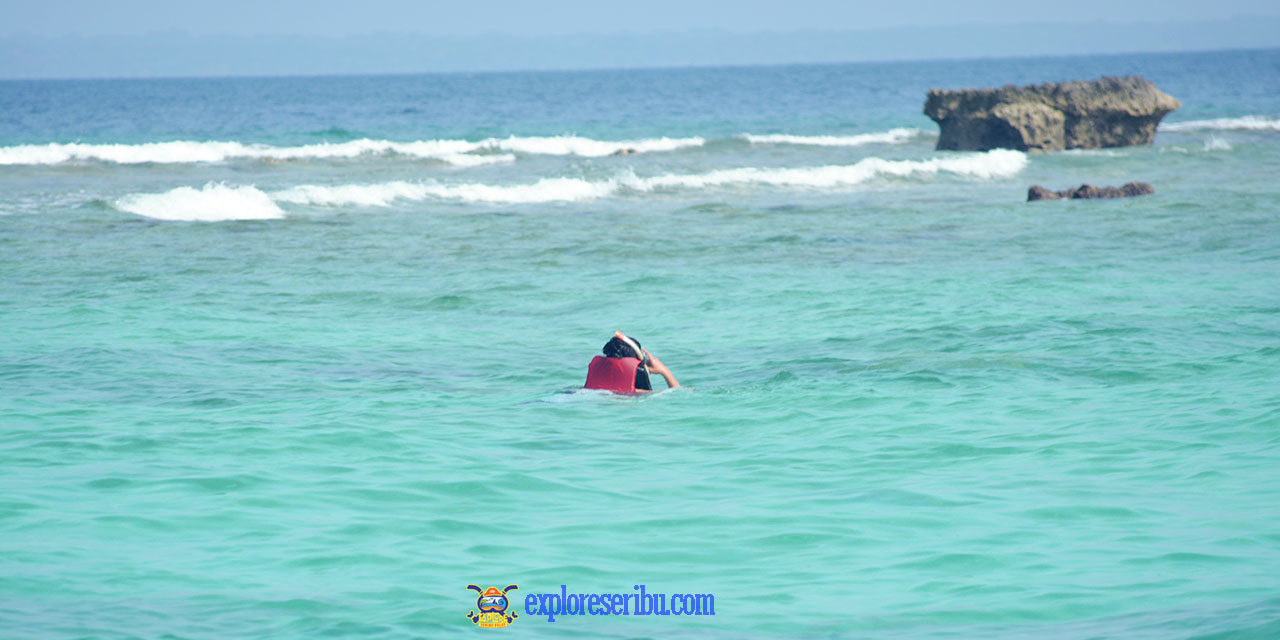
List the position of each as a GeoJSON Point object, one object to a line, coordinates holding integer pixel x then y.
{"type": "Point", "coordinates": [625, 367]}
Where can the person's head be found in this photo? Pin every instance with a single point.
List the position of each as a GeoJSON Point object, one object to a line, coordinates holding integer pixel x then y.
{"type": "Point", "coordinates": [623, 346]}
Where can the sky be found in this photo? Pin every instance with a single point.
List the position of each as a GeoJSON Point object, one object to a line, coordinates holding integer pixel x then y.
{"type": "Point", "coordinates": [565, 17]}
{"type": "Point", "coordinates": [79, 38]}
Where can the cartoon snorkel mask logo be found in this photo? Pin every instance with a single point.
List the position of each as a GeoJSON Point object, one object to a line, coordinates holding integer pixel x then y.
{"type": "Point", "coordinates": [492, 604]}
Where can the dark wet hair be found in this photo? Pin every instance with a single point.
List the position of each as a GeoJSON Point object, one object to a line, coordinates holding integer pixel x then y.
{"type": "Point", "coordinates": [617, 348]}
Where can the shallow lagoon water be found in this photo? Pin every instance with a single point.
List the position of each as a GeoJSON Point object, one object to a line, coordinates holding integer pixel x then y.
{"type": "Point", "coordinates": [915, 405]}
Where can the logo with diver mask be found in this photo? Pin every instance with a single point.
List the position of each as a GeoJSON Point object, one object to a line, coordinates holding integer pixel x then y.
{"type": "Point", "coordinates": [492, 604]}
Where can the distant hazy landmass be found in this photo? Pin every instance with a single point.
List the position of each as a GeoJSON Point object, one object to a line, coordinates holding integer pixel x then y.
{"type": "Point", "coordinates": [177, 53]}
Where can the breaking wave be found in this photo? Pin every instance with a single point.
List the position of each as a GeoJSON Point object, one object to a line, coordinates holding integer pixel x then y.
{"type": "Point", "coordinates": [473, 160]}
{"type": "Point", "coordinates": [892, 136]}
{"type": "Point", "coordinates": [383, 194]}
{"type": "Point", "coordinates": [213, 203]}
{"type": "Point", "coordinates": [1244, 123]}
{"type": "Point", "coordinates": [462, 153]}
{"type": "Point", "coordinates": [1214, 143]}
{"type": "Point", "coordinates": [577, 146]}
{"type": "Point", "coordinates": [992, 164]}
{"type": "Point", "coordinates": [220, 202]}
{"type": "Point", "coordinates": [1093, 153]}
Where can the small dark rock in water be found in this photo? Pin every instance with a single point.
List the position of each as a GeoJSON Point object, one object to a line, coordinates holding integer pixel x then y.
{"type": "Point", "coordinates": [1137, 189]}
{"type": "Point", "coordinates": [1109, 112]}
{"type": "Point", "coordinates": [1037, 192]}
{"type": "Point", "coordinates": [1090, 192]}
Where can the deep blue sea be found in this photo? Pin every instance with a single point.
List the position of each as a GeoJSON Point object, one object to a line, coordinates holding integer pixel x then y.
{"type": "Point", "coordinates": [300, 357]}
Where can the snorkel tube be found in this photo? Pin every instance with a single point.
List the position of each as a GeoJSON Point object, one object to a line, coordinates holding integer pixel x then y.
{"type": "Point", "coordinates": [635, 347]}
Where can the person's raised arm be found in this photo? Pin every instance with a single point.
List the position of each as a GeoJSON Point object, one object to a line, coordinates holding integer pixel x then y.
{"type": "Point", "coordinates": [656, 366]}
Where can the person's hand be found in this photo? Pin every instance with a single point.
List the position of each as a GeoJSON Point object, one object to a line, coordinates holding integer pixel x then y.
{"type": "Point", "coordinates": [655, 365]}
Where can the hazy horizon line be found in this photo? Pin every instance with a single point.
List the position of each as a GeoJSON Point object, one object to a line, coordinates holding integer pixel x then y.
{"type": "Point", "coordinates": [168, 53]}
{"type": "Point", "coordinates": [250, 76]}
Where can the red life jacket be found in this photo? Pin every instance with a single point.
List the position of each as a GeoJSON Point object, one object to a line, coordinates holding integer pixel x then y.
{"type": "Point", "coordinates": [612, 374]}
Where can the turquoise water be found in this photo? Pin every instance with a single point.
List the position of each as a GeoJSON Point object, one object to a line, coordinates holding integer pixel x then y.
{"type": "Point", "coordinates": [290, 391]}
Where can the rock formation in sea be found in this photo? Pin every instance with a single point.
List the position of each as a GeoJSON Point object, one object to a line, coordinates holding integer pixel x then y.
{"type": "Point", "coordinates": [1109, 112]}
{"type": "Point", "coordinates": [1090, 192]}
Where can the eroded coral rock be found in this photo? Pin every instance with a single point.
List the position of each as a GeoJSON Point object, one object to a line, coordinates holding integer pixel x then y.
{"type": "Point", "coordinates": [1109, 112]}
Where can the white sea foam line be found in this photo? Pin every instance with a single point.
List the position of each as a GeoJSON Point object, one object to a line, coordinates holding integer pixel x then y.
{"type": "Point", "coordinates": [1101, 153]}
{"type": "Point", "coordinates": [991, 164]}
{"type": "Point", "coordinates": [577, 146]}
{"type": "Point", "coordinates": [994, 163]}
{"type": "Point", "coordinates": [1214, 143]}
{"type": "Point", "coordinates": [1246, 123]}
{"type": "Point", "coordinates": [892, 136]}
{"type": "Point", "coordinates": [214, 202]}
{"type": "Point", "coordinates": [186, 152]}
{"type": "Point", "coordinates": [383, 194]}
{"type": "Point", "coordinates": [458, 152]}
{"type": "Point", "coordinates": [471, 160]}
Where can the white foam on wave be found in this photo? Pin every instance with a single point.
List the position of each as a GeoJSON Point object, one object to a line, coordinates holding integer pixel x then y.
{"type": "Point", "coordinates": [215, 202]}
{"type": "Point", "coordinates": [1095, 153]}
{"type": "Point", "coordinates": [457, 152]}
{"type": "Point", "coordinates": [1244, 123]}
{"type": "Point", "coordinates": [451, 151]}
{"type": "Point", "coordinates": [892, 136]}
{"type": "Point", "coordinates": [173, 152]}
{"type": "Point", "coordinates": [587, 147]}
{"type": "Point", "coordinates": [360, 195]}
{"type": "Point", "coordinates": [1214, 143]}
{"type": "Point", "coordinates": [992, 164]}
{"type": "Point", "coordinates": [472, 160]}
{"type": "Point", "coordinates": [383, 194]}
